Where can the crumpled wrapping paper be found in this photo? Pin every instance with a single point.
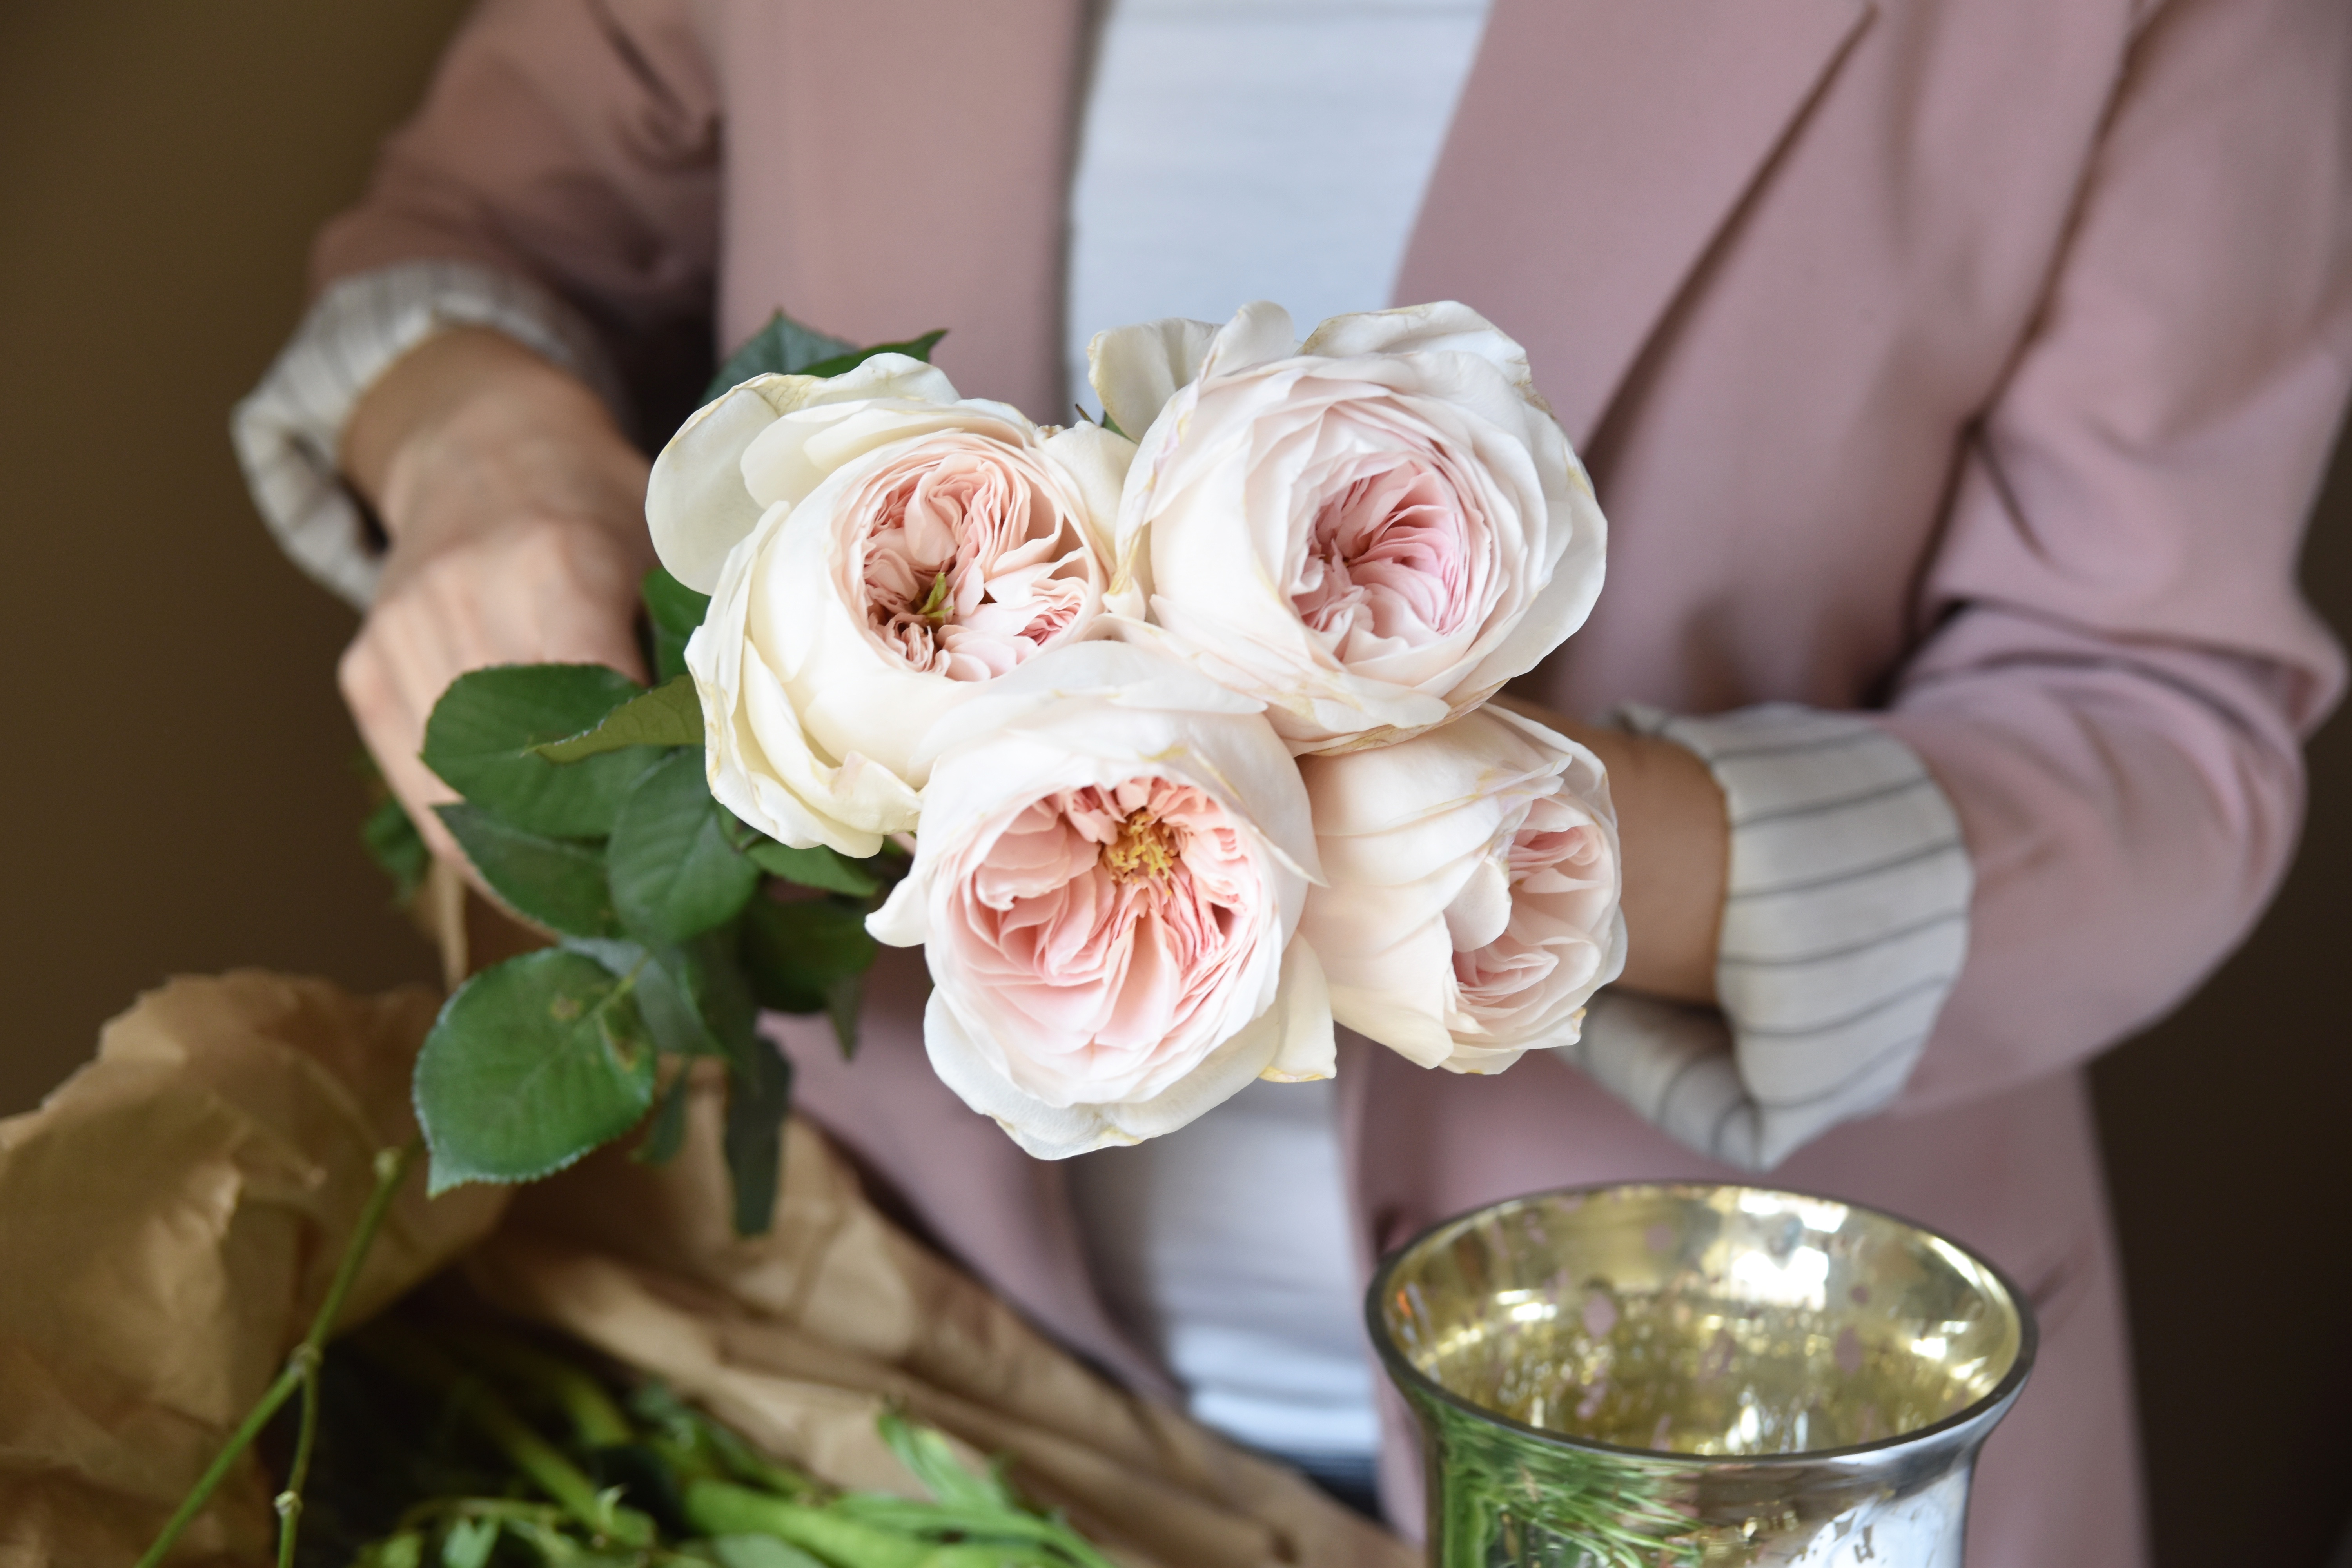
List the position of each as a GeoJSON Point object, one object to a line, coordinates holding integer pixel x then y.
{"type": "Point", "coordinates": [169, 1217]}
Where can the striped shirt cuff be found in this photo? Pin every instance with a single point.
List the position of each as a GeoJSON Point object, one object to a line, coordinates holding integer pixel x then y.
{"type": "Point", "coordinates": [289, 430]}
{"type": "Point", "coordinates": [1845, 925]}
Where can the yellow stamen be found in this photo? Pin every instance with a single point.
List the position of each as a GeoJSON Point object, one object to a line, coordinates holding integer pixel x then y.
{"type": "Point", "coordinates": [1146, 849]}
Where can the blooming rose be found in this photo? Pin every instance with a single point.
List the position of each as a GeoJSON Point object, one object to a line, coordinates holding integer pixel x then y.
{"type": "Point", "coordinates": [1371, 532]}
{"type": "Point", "coordinates": [1113, 858]}
{"type": "Point", "coordinates": [1471, 908]}
{"type": "Point", "coordinates": [874, 548]}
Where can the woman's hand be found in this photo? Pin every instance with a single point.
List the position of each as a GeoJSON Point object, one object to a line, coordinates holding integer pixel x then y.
{"type": "Point", "coordinates": [516, 513]}
{"type": "Point", "coordinates": [1674, 849]}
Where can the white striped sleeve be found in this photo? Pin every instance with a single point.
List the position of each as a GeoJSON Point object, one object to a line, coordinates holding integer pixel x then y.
{"type": "Point", "coordinates": [289, 429]}
{"type": "Point", "coordinates": [1844, 924]}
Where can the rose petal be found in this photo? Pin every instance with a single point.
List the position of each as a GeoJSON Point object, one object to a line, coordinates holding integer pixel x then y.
{"type": "Point", "coordinates": [1109, 893]}
{"type": "Point", "coordinates": [696, 506]}
{"type": "Point", "coordinates": [1306, 1048]}
{"type": "Point", "coordinates": [1472, 903]}
{"type": "Point", "coordinates": [1135, 370]}
{"type": "Point", "coordinates": [1371, 533]}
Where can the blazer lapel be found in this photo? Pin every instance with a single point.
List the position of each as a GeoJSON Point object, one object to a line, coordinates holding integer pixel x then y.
{"type": "Point", "coordinates": [1600, 147]}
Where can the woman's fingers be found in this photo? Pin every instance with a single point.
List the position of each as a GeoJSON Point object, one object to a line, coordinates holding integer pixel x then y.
{"type": "Point", "coordinates": [392, 733]}
{"type": "Point", "coordinates": [515, 509]}
{"type": "Point", "coordinates": [535, 592]}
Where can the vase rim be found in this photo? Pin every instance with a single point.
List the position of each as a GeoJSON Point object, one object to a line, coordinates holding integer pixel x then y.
{"type": "Point", "coordinates": [1995, 1399]}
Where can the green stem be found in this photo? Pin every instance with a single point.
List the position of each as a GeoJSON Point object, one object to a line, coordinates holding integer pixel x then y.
{"type": "Point", "coordinates": [225, 1460]}
{"type": "Point", "coordinates": [718, 1508]}
{"type": "Point", "coordinates": [498, 1508]}
{"type": "Point", "coordinates": [290, 1500]}
{"type": "Point", "coordinates": [979, 1525]}
{"type": "Point", "coordinates": [596, 1420]}
{"type": "Point", "coordinates": [562, 1479]}
{"type": "Point", "coordinates": [299, 1374]}
{"type": "Point", "coordinates": [832, 1537]}
{"type": "Point", "coordinates": [409, 1354]}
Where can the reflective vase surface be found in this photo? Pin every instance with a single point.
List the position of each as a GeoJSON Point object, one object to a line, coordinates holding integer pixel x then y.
{"type": "Point", "coordinates": [1677, 1374]}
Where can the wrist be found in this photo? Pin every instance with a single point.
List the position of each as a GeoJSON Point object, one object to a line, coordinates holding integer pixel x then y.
{"type": "Point", "coordinates": [1673, 836]}
{"type": "Point", "coordinates": [471, 429]}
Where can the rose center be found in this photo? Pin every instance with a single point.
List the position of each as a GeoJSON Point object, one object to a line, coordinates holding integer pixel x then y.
{"type": "Point", "coordinates": [1145, 850]}
{"type": "Point", "coordinates": [969, 565]}
{"type": "Point", "coordinates": [935, 608]}
{"type": "Point", "coordinates": [1389, 558]}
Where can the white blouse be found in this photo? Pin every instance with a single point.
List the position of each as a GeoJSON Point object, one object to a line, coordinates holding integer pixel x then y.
{"type": "Point", "coordinates": [1241, 150]}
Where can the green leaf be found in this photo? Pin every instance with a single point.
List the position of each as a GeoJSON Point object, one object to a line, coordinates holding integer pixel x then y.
{"type": "Point", "coordinates": [760, 1551]}
{"type": "Point", "coordinates": [668, 715]}
{"type": "Point", "coordinates": [782, 347]}
{"type": "Point", "coordinates": [695, 999]}
{"type": "Point", "coordinates": [692, 996]}
{"type": "Point", "coordinates": [666, 1132]}
{"type": "Point", "coordinates": [403, 1549]}
{"type": "Point", "coordinates": [932, 1462]}
{"type": "Point", "coordinates": [759, 1097]}
{"type": "Point", "coordinates": [532, 1064]}
{"type": "Point", "coordinates": [913, 348]}
{"type": "Point", "coordinates": [712, 1445]}
{"type": "Point", "coordinates": [560, 883]}
{"type": "Point", "coordinates": [674, 1014]}
{"type": "Point", "coordinates": [468, 1541]}
{"type": "Point", "coordinates": [483, 733]}
{"type": "Point", "coordinates": [672, 611]}
{"type": "Point", "coordinates": [798, 955]}
{"type": "Point", "coordinates": [844, 995]}
{"type": "Point", "coordinates": [665, 998]}
{"type": "Point", "coordinates": [675, 874]}
{"type": "Point", "coordinates": [815, 867]}
{"type": "Point", "coordinates": [396, 848]}
{"type": "Point", "coordinates": [671, 605]}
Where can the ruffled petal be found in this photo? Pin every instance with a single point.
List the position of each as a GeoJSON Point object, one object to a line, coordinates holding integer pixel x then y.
{"type": "Point", "coordinates": [1135, 370]}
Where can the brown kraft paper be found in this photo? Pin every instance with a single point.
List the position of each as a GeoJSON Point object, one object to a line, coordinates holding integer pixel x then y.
{"type": "Point", "coordinates": [170, 1215]}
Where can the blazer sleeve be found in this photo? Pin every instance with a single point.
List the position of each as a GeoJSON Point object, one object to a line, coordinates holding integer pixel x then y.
{"type": "Point", "coordinates": [2121, 669]}
{"type": "Point", "coordinates": [572, 143]}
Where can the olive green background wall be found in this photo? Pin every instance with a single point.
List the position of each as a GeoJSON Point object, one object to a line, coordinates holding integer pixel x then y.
{"type": "Point", "coordinates": [175, 793]}
{"type": "Point", "coordinates": [178, 796]}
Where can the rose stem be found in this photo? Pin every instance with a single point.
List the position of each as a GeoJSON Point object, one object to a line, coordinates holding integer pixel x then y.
{"type": "Point", "coordinates": [596, 1420]}
{"type": "Point", "coordinates": [301, 1373]}
{"type": "Point", "coordinates": [721, 1507]}
{"type": "Point", "coordinates": [408, 1352]}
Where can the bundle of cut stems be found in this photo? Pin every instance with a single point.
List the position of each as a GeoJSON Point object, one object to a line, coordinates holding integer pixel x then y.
{"type": "Point", "coordinates": [597, 1479]}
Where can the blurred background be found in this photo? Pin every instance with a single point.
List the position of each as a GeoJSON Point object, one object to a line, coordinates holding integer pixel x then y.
{"type": "Point", "coordinates": [179, 796]}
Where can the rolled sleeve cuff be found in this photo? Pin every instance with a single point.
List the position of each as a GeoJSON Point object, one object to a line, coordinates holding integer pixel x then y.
{"type": "Point", "coordinates": [289, 430]}
{"type": "Point", "coordinates": [1844, 924]}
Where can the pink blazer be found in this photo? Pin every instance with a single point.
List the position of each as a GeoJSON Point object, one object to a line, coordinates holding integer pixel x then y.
{"type": "Point", "coordinates": [1970, 361]}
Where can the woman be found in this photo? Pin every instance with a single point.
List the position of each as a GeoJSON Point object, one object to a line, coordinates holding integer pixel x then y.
{"type": "Point", "coordinates": [1956, 374]}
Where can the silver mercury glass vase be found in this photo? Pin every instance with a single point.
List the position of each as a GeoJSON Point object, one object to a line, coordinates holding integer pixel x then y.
{"type": "Point", "coordinates": [1653, 1376]}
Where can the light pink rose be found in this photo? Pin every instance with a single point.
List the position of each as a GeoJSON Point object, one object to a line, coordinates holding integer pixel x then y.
{"type": "Point", "coordinates": [1371, 532]}
{"type": "Point", "coordinates": [874, 548]}
{"type": "Point", "coordinates": [1108, 881]}
{"type": "Point", "coordinates": [1471, 907]}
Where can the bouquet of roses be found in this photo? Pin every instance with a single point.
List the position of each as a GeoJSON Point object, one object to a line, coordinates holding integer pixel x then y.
{"type": "Point", "coordinates": [1168, 738]}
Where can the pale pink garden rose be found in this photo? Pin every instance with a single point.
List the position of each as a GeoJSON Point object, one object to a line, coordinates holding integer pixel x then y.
{"type": "Point", "coordinates": [876, 549]}
{"type": "Point", "coordinates": [1471, 904]}
{"type": "Point", "coordinates": [1371, 532]}
{"type": "Point", "coordinates": [1114, 856]}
